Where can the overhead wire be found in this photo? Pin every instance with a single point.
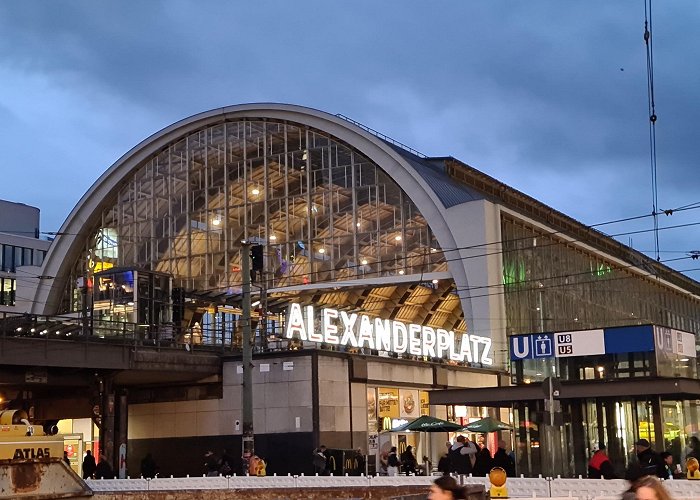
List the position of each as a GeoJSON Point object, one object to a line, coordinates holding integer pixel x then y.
{"type": "Point", "coordinates": [651, 103]}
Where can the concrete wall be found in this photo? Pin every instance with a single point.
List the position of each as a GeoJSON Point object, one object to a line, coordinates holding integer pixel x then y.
{"type": "Point", "coordinates": [179, 433]}
{"type": "Point", "coordinates": [476, 227]}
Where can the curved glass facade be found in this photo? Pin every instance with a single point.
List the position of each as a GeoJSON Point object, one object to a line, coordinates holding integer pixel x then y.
{"type": "Point", "coordinates": [322, 211]}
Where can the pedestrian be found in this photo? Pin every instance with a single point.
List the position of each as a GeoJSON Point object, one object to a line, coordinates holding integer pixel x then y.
{"type": "Point", "coordinates": [89, 465]}
{"type": "Point", "coordinates": [649, 463]}
{"type": "Point", "coordinates": [66, 459]}
{"type": "Point", "coordinates": [503, 459]}
{"type": "Point", "coordinates": [320, 461]}
{"type": "Point", "coordinates": [148, 467]}
{"type": "Point", "coordinates": [211, 464]}
{"type": "Point", "coordinates": [392, 463]}
{"type": "Point", "coordinates": [600, 466]}
{"type": "Point", "coordinates": [225, 467]}
{"type": "Point", "coordinates": [104, 469]}
{"type": "Point", "coordinates": [669, 469]}
{"type": "Point", "coordinates": [408, 461]}
{"type": "Point", "coordinates": [461, 454]}
{"type": "Point", "coordinates": [359, 463]}
{"type": "Point", "coordinates": [446, 488]}
{"type": "Point", "coordinates": [483, 463]}
{"type": "Point", "coordinates": [444, 462]}
{"type": "Point", "coordinates": [647, 488]}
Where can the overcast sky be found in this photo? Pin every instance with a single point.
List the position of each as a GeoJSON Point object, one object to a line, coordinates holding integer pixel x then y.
{"type": "Point", "coordinates": [547, 96]}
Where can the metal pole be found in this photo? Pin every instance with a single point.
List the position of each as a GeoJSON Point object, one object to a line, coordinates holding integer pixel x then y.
{"type": "Point", "coordinates": [248, 435]}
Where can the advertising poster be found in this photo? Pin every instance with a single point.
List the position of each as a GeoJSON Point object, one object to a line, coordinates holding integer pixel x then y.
{"type": "Point", "coordinates": [410, 404]}
{"type": "Point", "coordinates": [388, 403]}
{"type": "Point", "coordinates": [371, 409]}
{"type": "Point", "coordinates": [424, 406]}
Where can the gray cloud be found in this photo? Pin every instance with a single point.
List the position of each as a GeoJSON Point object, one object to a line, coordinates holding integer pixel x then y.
{"type": "Point", "coordinates": [547, 96]}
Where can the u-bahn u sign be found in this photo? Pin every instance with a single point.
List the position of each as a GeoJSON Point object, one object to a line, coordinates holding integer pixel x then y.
{"type": "Point", "coordinates": [359, 330]}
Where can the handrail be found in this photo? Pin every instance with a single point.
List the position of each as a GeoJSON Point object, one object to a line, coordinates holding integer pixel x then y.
{"type": "Point", "coordinates": [382, 136]}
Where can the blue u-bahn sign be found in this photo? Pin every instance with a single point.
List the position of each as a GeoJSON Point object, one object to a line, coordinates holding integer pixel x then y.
{"type": "Point", "coordinates": [584, 342]}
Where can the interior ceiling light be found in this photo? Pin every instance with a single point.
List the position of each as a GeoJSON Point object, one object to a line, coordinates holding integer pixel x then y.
{"type": "Point", "coordinates": [401, 271]}
{"type": "Point", "coordinates": [321, 250]}
{"type": "Point", "coordinates": [255, 192]}
{"type": "Point", "coordinates": [358, 224]}
{"type": "Point", "coordinates": [364, 262]}
{"type": "Point", "coordinates": [435, 282]}
{"type": "Point", "coordinates": [216, 220]}
{"type": "Point", "coordinates": [398, 238]}
{"type": "Point", "coordinates": [273, 237]}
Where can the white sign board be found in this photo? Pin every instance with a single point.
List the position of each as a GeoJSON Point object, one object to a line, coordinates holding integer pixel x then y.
{"type": "Point", "coordinates": [580, 343]}
{"type": "Point", "coordinates": [675, 341]}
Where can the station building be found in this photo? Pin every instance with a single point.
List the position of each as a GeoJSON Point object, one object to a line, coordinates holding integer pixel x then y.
{"type": "Point", "coordinates": [389, 284]}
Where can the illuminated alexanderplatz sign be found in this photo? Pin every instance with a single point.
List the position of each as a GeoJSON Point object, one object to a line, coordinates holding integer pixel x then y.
{"type": "Point", "coordinates": [359, 330]}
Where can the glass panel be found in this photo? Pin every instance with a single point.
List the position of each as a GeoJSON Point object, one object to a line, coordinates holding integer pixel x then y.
{"type": "Point", "coordinates": [322, 207]}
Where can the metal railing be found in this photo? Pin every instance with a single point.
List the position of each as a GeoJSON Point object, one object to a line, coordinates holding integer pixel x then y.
{"type": "Point", "coordinates": [382, 136]}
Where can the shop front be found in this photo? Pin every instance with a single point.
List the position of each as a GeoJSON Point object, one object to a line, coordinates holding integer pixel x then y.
{"type": "Point", "coordinates": [613, 386]}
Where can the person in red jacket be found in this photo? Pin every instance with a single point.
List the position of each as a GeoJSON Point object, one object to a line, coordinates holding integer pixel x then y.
{"type": "Point", "coordinates": [599, 466]}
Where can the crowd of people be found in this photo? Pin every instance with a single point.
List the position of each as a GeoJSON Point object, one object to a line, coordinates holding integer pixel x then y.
{"type": "Point", "coordinates": [100, 470]}
{"type": "Point", "coordinates": [645, 462]}
{"type": "Point", "coordinates": [468, 457]}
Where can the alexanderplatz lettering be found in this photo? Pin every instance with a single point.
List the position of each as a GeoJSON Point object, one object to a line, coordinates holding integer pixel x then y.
{"type": "Point", "coordinates": [360, 330]}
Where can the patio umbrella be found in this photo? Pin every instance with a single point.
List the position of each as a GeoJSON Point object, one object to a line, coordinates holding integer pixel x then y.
{"type": "Point", "coordinates": [428, 424]}
{"type": "Point", "coordinates": [488, 424]}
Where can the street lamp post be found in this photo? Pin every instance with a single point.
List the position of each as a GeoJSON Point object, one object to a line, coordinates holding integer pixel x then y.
{"type": "Point", "coordinates": [247, 403]}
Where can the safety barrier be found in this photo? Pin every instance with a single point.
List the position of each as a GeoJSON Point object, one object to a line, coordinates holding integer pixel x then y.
{"type": "Point", "coordinates": [523, 487]}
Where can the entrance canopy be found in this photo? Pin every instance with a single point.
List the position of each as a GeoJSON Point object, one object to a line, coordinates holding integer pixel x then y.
{"type": "Point", "coordinates": [506, 396]}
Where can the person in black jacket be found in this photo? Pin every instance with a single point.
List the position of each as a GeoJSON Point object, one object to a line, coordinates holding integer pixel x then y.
{"type": "Point", "coordinates": [649, 462]}
{"type": "Point", "coordinates": [148, 466]}
{"type": "Point", "coordinates": [444, 462]}
{"type": "Point", "coordinates": [408, 461]}
{"type": "Point", "coordinates": [484, 462]}
{"type": "Point", "coordinates": [89, 465]}
{"type": "Point", "coordinates": [503, 460]}
{"type": "Point", "coordinates": [104, 469]}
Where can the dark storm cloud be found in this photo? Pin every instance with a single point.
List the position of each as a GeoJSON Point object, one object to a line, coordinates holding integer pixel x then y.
{"type": "Point", "coordinates": [547, 96]}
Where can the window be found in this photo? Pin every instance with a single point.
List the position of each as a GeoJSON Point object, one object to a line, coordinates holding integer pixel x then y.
{"type": "Point", "coordinates": [8, 258]}
{"type": "Point", "coordinates": [7, 291]}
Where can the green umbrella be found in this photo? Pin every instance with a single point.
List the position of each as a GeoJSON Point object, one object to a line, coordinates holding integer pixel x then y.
{"type": "Point", "coordinates": [428, 424]}
{"type": "Point", "coordinates": [488, 424]}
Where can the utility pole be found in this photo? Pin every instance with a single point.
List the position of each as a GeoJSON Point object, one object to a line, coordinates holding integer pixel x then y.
{"type": "Point", "coordinates": [248, 435]}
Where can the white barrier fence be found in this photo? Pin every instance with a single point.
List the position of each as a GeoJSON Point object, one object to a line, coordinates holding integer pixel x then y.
{"type": "Point", "coordinates": [523, 487]}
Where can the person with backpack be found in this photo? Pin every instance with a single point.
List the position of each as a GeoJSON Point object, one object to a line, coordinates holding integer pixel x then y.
{"type": "Point", "coordinates": [462, 456]}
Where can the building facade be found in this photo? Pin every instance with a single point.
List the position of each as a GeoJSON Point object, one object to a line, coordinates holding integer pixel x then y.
{"type": "Point", "coordinates": [381, 276]}
{"type": "Point", "coordinates": [21, 251]}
